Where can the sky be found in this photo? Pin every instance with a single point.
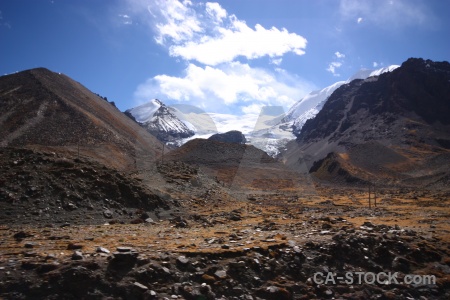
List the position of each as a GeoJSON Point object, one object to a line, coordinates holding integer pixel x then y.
{"type": "Point", "coordinates": [225, 57]}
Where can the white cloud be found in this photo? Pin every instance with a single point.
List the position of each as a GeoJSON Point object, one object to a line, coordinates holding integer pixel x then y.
{"type": "Point", "coordinates": [233, 83]}
{"type": "Point", "coordinates": [253, 109]}
{"type": "Point", "coordinates": [276, 61]}
{"type": "Point", "coordinates": [339, 55]}
{"type": "Point", "coordinates": [387, 14]}
{"type": "Point", "coordinates": [210, 40]}
{"type": "Point", "coordinates": [207, 34]}
{"type": "Point", "coordinates": [241, 41]}
{"type": "Point", "coordinates": [125, 19]}
{"type": "Point", "coordinates": [375, 64]}
{"type": "Point", "coordinates": [216, 11]}
{"type": "Point", "coordinates": [333, 66]}
{"type": "Point", "coordinates": [172, 20]}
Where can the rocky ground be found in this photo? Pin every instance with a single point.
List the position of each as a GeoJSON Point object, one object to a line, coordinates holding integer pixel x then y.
{"type": "Point", "coordinates": [195, 240]}
{"type": "Point", "coordinates": [46, 187]}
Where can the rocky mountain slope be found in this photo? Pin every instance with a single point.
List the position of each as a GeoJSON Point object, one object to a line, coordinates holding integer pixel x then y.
{"type": "Point", "coordinates": [232, 136]}
{"type": "Point", "coordinates": [240, 167]}
{"type": "Point", "coordinates": [311, 104]}
{"type": "Point", "coordinates": [161, 121]}
{"type": "Point", "coordinates": [43, 109]}
{"type": "Point", "coordinates": [393, 128]}
{"type": "Point", "coordinates": [273, 131]}
{"type": "Point", "coordinates": [39, 187]}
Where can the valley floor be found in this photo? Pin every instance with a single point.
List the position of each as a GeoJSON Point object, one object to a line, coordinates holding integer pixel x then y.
{"type": "Point", "coordinates": [249, 249]}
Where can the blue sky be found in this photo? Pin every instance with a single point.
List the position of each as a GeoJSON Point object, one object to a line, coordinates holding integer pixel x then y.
{"type": "Point", "coordinates": [226, 56]}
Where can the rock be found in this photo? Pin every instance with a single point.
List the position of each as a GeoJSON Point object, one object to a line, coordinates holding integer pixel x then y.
{"type": "Point", "coordinates": [368, 224]}
{"type": "Point", "coordinates": [77, 255]}
{"type": "Point", "coordinates": [149, 294]}
{"type": "Point", "coordinates": [71, 206]}
{"type": "Point", "coordinates": [401, 264]}
{"type": "Point", "coordinates": [182, 260]}
{"type": "Point", "coordinates": [72, 246]}
{"type": "Point", "coordinates": [165, 270]}
{"type": "Point", "coordinates": [235, 217]}
{"type": "Point", "coordinates": [208, 278]}
{"type": "Point", "coordinates": [124, 249]}
{"type": "Point", "coordinates": [108, 214]}
{"type": "Point", "coordinates": [237, 265]}
{"type": "Point", "coordinates": [181, 223]}
{"type": "Point", "coordinates": [140, 286]}
{"type": "Point", "coordinates": [50, 256]}
{"type": "Point", "coordinates": [149, 220]}
{"type": "Point", "coordinates": [326, 226]}
{"type": "Point", "coordinates": [22, 235]}
{"type": "Point", "coordinates": [102, 250]}
{"type": "Point", "coordinates": [145, 216]}
{"type": "Point", "coordinates": [123, 260]}
{"type": "Point", "coordinates": [47, 267]}
{"type": "Point", "coordinates": [30, 245]}
{"type": "Point", "coordinates": [274, 292]}
{"type": "Point", "coordinates": [297, 249]}
{"type": "Point", "coordinates": [221, 274]}
{"type": "Point", "coordinates": [29, 265]}
{"type": "Point", "coordinates": [65, 225]}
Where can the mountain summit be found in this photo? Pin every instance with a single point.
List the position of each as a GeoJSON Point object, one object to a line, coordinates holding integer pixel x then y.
{"type": "Point", "coordinates": [395, 127]}
{"type": "Point", "coordinates": [161, 121]}
{"type": "Point", "coordinates": [311, 104]}
{"type": "Point", "coordinates": [41, 109]}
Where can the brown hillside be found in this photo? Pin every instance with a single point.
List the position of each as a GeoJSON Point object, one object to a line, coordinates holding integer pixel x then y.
{"type": "Point", "coordinates": [389, 129]}
{"type": "Point", "coordinates": [240, 166]}
{"type": "Point", "coordinates": [43, 109]}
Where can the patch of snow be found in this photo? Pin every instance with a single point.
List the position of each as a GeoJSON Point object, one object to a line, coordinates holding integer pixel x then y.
{"type": "Point", "coordinates": [145, 112]}
{"type": "Point", "coordinates": [310, 105]}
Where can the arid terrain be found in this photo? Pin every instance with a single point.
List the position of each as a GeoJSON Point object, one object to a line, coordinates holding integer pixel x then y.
{"type": "Point", "coordinates": [92, 206]}
{"type": "Point", "coordinates": [204, 243]}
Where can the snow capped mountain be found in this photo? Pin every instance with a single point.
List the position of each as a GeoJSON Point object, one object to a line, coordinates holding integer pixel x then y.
{"type": "Point", "coordinates": [161, 121]}
{"type": "Point", "coordinates": [269, 131]}
{"type": "Point", "coordinates": [384, 70]}
{"type": "Point", "coordinates": [145, 112]}
{"type": "Point", "coordinates": [311, 104]}
{"type": "Point", "coordinates": [310, 101]}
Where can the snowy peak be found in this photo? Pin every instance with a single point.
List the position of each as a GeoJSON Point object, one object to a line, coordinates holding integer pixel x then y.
{"type": "Point", "coordinates": [384, 70]}
{"type": "Point", "coordinates": [161, 121]}
{"type": "Point", "coordinates": [145, 112]}
{"type": "Point", "coordinates": [312, 103]}
{"type": "Point", "coordinates": [366, 73]}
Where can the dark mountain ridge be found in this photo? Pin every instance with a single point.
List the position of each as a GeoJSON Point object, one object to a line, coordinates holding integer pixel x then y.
{"type": "Point", "coordinates": [232, 136]}
{"type": "Point", "coordinates": [419, 86]}
{"type": "Point", "coordinates": [403, 114]}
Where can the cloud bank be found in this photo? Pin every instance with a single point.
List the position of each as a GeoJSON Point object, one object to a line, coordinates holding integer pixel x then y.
{"type": "Point", "coordinates": [217, 48]}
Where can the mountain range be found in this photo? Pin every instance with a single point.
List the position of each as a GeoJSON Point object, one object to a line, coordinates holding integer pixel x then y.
{"type": "Point", "coordinates": [392, 129]}
{"type": "Point", "coordinates": [269, 131]}
{"type": "Point", "coordinates": [391, 124]}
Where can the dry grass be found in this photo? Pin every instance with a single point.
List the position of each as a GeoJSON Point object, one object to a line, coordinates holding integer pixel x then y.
{"type": "Point", "coordinates": [289, 221]}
